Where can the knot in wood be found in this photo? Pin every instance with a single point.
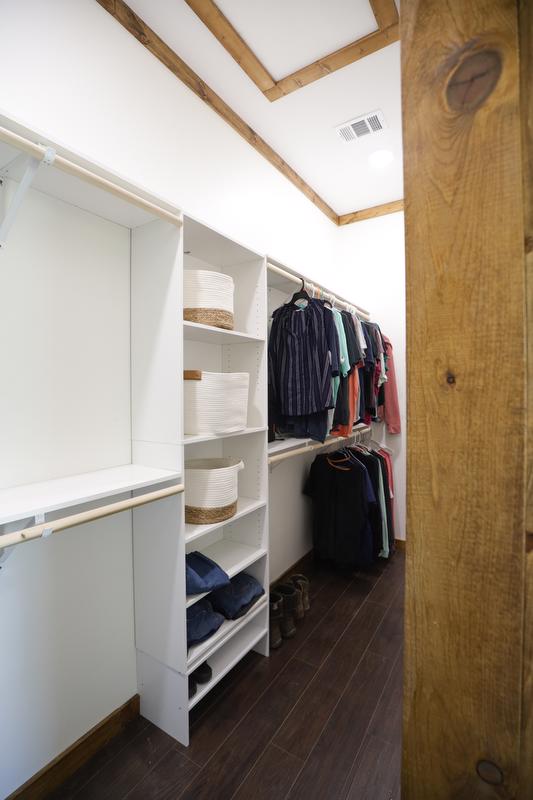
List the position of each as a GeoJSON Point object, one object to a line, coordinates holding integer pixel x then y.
{"type": "Point", "coordinates": [474, 80]}
{"type": "Point", "coordinates": [450, 378]}
{"type": "Point", "coordinates": [489, 772]}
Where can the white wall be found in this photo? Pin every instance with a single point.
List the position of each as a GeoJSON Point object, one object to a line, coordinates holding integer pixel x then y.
{"type": "Point", "coordinates": [73, 73]}
{"type": "Point", "coordinates": [79, 77]}
{"type": "Point", "coordinates": [66, 603]}
{"type": "Point", "coordinates": [372, 260]}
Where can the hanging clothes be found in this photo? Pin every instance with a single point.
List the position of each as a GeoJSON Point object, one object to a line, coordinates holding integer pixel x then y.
{"type": "Point", "coordinates": [341, 494]}
{"type": "Point", "coordinates": [390, 410]}
{"type": "Point", "coordinates": [352, 507]}
{"type": "Point", "coordinates": [328, 370]}
{"type": "Point", "coordinates": [303, 358]}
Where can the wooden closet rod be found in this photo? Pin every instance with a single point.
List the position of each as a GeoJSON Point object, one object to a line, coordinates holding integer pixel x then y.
{"type": "Point", "coordinates": [65, 165]}
{"type": "Point", "coordinates": [356, 435]}
{"type": "Point", "coordinates": [58, 525]}
{"type": "Point", "coordinates": [291, 276]}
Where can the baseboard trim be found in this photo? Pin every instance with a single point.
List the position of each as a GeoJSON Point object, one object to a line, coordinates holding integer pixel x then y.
{"type": "Point", "coordinates": [51, 776]}
{"type": "Point", "coordinates": [299, 566]}
{"type": "Point", "coordinates": [400, 544]}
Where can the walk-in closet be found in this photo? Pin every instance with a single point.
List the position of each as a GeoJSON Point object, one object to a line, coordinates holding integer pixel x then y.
{"type": "Point", "coordinates": [265, 416]}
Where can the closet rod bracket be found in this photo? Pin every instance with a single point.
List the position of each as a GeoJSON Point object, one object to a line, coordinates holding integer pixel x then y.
{"type": "Point", "coordinates": [32, 165]}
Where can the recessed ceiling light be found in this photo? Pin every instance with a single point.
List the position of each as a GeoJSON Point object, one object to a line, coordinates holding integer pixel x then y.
{"type": "Point", "coordinates": [381, 158]}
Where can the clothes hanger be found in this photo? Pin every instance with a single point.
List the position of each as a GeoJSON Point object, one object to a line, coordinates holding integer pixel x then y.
{"type": "Point", "coordinates": [337, 464]}
{"type": "Point", "coordinates": [301, 294]}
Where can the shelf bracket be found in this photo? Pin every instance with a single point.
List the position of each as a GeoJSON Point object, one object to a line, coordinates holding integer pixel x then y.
{"type": "Point", "coordinates": [5, 552]}
{"type": "Point", "coordinates": [32, 165]}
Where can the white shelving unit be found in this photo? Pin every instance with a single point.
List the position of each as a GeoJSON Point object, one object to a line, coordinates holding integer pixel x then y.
{"type": "Point", "coordinates": [196, 439]}
{"type": "Point", "coordinates": [238, 544]}
{"type": "Point", "coordinates": [90, 413]}
{"type": "Point", "coordinates": [45, 497]}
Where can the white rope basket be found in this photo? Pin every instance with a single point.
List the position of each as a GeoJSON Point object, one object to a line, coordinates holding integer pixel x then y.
{"type": "Point", "coordinates": [215, 402]}
{"type": "Point", "coordinates": [208, 298]}
{"type": "Point", "coordinates": [211, 489]}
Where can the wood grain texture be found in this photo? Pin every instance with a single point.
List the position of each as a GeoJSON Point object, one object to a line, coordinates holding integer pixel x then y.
{"type": "Point", "coordinates": [63, 767]}
{"type": "Point", "coordinates": [466, 481]}
{"type": "Point", "coordinates": [385, 12]}
{"type": "Point", "coordinates": [272, 776]}
{"type": "Point", "coordinates": [371, 213]}
{"type": "Point", "coordinates": [386, 15]}
{"type": "Point", "coordinates": [147, 37]}
{"type": "Point", "coordinates": [223, 30]}
{"type": "Point", "coordinates": [302, 728]}
{"type": "Point", "coordinates": [525, 20]}
{"type": "Point", "coordinates": [232, 754]}
{"type": "Point", "coordinates": [334, 61]}
{"type": "Point", "coordinates": [224, 772]}
{"type": "Point", "coordinates": [119, 777]}
{"type": "Point", "coordinates": [326, 773]}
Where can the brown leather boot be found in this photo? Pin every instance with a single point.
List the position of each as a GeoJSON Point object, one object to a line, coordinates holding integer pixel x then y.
{"type": "Point", "coordinates": [302, 583]}
{"type": "Point", "coordinates": [291, 597]}
{"type": "Point", "coordinates": [276, 616]}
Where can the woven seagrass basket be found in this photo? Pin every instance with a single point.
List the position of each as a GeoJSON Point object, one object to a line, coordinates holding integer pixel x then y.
{"type": "Point", "coordinates": [211, 489]}
{"type": "Point", "coordinates": [208, 298]}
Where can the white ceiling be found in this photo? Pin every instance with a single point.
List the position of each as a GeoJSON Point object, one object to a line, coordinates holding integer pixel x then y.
{"type": "Point", "coordinates": [286, 36]}
{"type": "Point", "coordinates": [300, 126]}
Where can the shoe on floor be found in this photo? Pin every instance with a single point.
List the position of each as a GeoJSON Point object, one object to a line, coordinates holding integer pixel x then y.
{"type": "Point", "coordinates": [303, 583]}
{"type": "Point", "coordinates": [203, 673]}
{"type": "Point", "coordinates": [276, 616]}
{"type": "Point", "coordinates": [291, 596]}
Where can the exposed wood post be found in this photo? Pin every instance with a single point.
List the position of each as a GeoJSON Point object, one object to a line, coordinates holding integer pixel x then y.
{"type": "Point", "coordinates": [525, 22]}
{"type": "Point", "coordinates": [467, 371]}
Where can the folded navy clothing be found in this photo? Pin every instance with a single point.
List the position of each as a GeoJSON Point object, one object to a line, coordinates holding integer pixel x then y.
{"type": "Point", "coordinates": [202, 622]}
{"type": "Point", "coordinates": [203, 574]}
{"type": "Point", "coordinates": [238, 597]}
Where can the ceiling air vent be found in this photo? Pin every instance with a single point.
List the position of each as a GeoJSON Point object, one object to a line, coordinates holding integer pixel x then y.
{"type": "Point", "coordinates": [374, 122]}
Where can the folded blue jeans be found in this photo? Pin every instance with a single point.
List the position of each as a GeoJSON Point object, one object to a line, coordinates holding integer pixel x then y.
{"type": "Point", "coordinates": [203, 574]}
{"type": "Point", "coordinates": [234, 600]}
{"type": "Point", "coordinates": [202, 621]}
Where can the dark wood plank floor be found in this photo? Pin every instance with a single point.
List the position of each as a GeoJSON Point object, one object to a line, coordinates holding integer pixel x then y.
{"type": "Point", "coordinates": [320, 718]}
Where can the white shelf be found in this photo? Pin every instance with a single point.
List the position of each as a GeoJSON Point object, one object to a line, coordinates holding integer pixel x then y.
{"type": "Point", "coordinates": [228, 656]}
{"type": "Point", "coordinates": [196, 332]}
{"type": "Point", "coordinates": [245, 505]}
{"type": "Point", "coordinates": [30, 499]}
{"type": "Point", "coordinates": [200, 652]}
{"type": "Point", "coordinates": [232, 557]}
{"type": "Point", "coordinates": [213, 437]}
{"type": "Point", "coordinates": [284, 445]}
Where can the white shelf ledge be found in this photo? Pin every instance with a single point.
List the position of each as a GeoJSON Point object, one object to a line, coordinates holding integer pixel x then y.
{"type": "Point", "coordinates": [232, 557]}
{"type": "Point", "coordinates": [245, 505]}
{"type": "Point", "coordinates": [213, 437]}
{"type": "Point", "coordinates": [30, 499]}
{"type": "Point", "coordinates": [284, 445]}
{"type": "Point", "coordinates": [228, 656]}
{"type": "Point", "coordinates": [201, 652]}
{"type": "Point", "coordinates": [196, 332]}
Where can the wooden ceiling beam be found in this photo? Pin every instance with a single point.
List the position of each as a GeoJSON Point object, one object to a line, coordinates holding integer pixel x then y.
{"type": "Point", "coordinates": [388, 31]}
{"type": "Point", "coordinates": [385, 12]}
{"type": "Point", "coordinates": [147, 37]}
{"type": "Point", "coordinates": [337, 60]}
{"type": "Point", "coordinates": [155, 45]}
{"type": "Point", "coordinates": [371, 213]}
{"type": "Point", "coordinates": [226, 34]}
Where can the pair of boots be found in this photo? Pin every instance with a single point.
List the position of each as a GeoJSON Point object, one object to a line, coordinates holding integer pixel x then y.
{"type": "Point", "coordinates": [201, 674]}
{"type": "Point", "coordinates": [288, 604]}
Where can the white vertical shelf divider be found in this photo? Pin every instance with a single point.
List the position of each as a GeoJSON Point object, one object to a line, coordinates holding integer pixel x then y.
{"type": "Point", "coordinates": [164, 662]}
